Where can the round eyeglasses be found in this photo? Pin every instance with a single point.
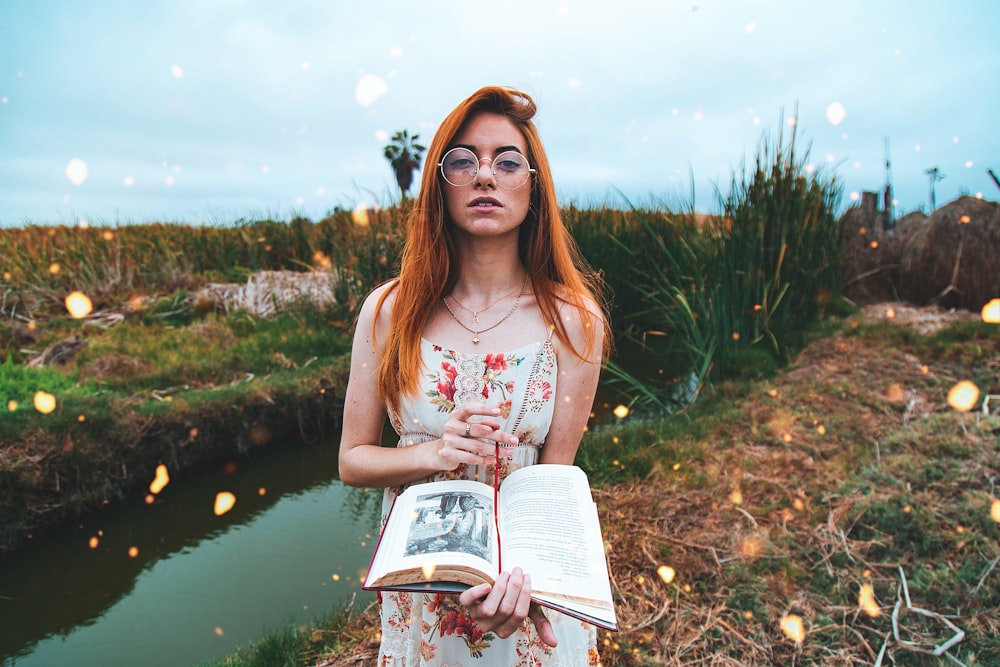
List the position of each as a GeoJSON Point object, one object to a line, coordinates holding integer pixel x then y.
{"type": "Point", "coordinates": [460, 166]}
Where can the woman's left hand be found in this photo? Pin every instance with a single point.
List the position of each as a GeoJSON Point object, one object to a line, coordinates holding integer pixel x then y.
{"type": "Point", "coordinates": [502, 607]}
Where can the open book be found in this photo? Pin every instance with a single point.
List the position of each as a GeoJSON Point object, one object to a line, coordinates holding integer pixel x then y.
{"type": "Point", "coordinates": [448, 536]}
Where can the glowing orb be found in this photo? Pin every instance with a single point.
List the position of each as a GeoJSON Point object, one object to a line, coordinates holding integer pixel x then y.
{"type": "Point", "coordinates": [621, 411]}
{"type": "Point", "coordinates": [360, 215]}
{"type": "Point", "coordinates": [995, 511]}
{"type": "Point", "coordinates": [93, 542]}
{"type": "Point", "coordinates": [79, 305]}
{"type": "Point", "coordinates": [369, 89]}
{"type": "Point", "coordinates": [176, 71]}
{"type": "Point", "coordinates": [11, 405]}
{"type": "Point", "coordinates": [866, 600]}
{"type": "Point", "coordinates": [76, 171]}
{"type": "Point", "coordinates": [991, 312]}
{"type": "Point", "coordinates": [835, 113]}
{"type": "Point", "coordinates": [963, 396]}
{"type": "Point", "coordinates": [161, 480]}
{"type": "Point", "coordinates": [666, 573]}
{"type": "Point", "coordinates": [224, 502]}
{"type": "Point", "coordinates": [792, 626]}
{"type": "Point", "coordinates": [133, 552]}
{"type": "Point", "coordinates": [736, 497]}
{"type": "Point", "coordinates": [45, 402]}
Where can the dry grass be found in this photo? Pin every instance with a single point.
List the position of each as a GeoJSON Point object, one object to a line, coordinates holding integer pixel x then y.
{"type": "Point", "coordinates": [783, 512]}
{"type": "Point", "coordinates": [949, 258]}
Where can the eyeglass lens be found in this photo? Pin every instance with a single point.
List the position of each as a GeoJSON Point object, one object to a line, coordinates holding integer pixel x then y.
{"type": "Point", "coordinates": [460, 166]}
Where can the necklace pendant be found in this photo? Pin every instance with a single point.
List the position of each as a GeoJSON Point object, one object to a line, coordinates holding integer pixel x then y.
{"type": "Point", "coordinates": [475, 340]}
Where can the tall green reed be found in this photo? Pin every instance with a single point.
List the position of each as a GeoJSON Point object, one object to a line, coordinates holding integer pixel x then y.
{"type": "Point", "coordinates": [737, 290]}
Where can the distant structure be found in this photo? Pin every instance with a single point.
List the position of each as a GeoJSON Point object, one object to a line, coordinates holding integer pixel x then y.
{"type": "Point", "coordinates": [888, 215]}
{"type": "Point", "coordinates": [994, 177]}
{"type": "Point", "coordinates": [935, 176]}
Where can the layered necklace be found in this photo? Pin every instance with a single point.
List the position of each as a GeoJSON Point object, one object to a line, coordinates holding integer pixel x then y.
{"type": "Point", "coordinates": [475, 313]}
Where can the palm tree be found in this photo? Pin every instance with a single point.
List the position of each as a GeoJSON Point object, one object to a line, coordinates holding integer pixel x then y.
{"type": "Point", "coordinates": [404, 153]}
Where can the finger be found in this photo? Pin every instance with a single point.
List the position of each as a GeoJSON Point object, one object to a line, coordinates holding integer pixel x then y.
{"type": "Point", "coordinates": [515, 605]}
{"type": "Point", "coordinates": [472, 596]}
{"type": "Point", "coordinates": [485, 608]}
{"type": "Point", "coordinates": [542, 625]}
{"type": "Point", "coordinates": [470, 410]}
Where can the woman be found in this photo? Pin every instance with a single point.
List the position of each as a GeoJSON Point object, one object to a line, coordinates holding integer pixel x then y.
{"type": "Point", "coordinates": [484, 353]}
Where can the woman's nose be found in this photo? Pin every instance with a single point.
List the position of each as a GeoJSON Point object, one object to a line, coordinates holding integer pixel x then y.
{"type": "Point", "coordinates": [484, 176]}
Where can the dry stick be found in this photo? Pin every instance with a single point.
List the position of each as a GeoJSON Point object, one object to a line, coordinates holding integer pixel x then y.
{"type": "Point", "coordinates": [985, 574]}
{"type": "Point", "coordinates": [940, 649]}
{"type": "Point", "coordinates": [954, 274]}
{"type": "Point", "coordinates": [745, 640]}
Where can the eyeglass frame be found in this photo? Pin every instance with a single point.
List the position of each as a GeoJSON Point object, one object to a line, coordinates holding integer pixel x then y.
{"type": "Point", "coordinates": [479, 162]}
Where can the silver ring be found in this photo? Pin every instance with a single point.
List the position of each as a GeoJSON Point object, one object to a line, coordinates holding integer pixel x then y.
{"type": "Point", "coordinates": [468, 427]}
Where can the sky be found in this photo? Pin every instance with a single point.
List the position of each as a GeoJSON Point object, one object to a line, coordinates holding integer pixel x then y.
{"type": "Point", "coordinates": [209, 111]}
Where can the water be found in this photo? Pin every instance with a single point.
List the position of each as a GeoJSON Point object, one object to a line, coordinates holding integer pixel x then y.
{"type": "Point", "coordinates": [294, 547]}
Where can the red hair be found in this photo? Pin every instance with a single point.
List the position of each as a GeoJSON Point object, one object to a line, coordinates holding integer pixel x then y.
{"type": "Point", "coordinates": [555, 267]}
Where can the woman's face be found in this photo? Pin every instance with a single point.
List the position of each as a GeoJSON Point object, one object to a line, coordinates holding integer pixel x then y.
{"type": "Point", "coordinates": [483, 208]}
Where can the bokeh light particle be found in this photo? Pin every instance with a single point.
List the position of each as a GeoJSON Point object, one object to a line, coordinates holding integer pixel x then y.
{"type": "Point", "coordinates": [360, 215]}
{"type": "Point", "coordinates": [835, 113]}
{"type": "Point", "coordinates": [621, 411]}
{"type": "Point", "coordinates": [224, 501]}
{"type": "Point", "coordinates": [369, 89]}
{"type": "Point", "coordinates": [79, 305]}
{"type": "Point", "coordinates": [666, 573]}
{"type": "Point", "coordinates": [995, 511]}
{"type": "Point", "coordinates": [963, 396]}
{"type": "Point", "coordinates": [161, 480]}
{"type": "Point", "coordinates": [44, 402]}
{"type": "Point", "coordinates": [866, 600]}
{"type": "Point", "coordinates": [991, 312]}
{"type": "Point", "coordinates": [793, 627]}
{"type": "Point", "coordinates": [76, 171]}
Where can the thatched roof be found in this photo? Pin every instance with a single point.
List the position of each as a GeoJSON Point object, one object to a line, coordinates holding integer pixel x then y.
{"type": "Point", "coordinates": [949, 259]}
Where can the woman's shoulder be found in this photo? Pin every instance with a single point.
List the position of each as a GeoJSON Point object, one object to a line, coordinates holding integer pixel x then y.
{"type": "Point", "coordinates": [377, 306]}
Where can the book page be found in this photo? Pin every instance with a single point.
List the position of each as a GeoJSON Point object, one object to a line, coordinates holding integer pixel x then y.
{"type": "Point", "coordinates": [437, 526]}
{"type": "Point", "coordinates": [549, 527]}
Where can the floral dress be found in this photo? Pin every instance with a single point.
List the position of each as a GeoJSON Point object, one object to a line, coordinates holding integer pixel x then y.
{"type": "Point", "coordinates": [433, 629]}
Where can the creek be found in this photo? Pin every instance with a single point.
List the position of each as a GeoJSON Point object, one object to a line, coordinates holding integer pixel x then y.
{"type": "Point", "coordinates": [170, 583]}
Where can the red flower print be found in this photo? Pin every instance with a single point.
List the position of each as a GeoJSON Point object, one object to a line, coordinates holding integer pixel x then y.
{"type": "Point", "coordinates": [449, 622]}
{"type": "Point", "coordinates": [467, 628]}
{"type": "Point", "coordinates": [446, 385]}
{"type": "Point", "coordinates": [541, 387]}
{"type": "Point", "coordinates": [496, 362]}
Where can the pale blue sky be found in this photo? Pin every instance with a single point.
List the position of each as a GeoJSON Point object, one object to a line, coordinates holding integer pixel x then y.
{"type": "Point", "coordinates": [211, 110]}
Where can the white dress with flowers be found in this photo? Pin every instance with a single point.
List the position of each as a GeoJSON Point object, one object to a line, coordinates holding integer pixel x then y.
{"type": "Point", "coordinates": [433, 629]}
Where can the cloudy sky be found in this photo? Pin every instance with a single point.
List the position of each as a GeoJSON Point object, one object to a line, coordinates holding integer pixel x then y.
{"type": "Point", "coordinates": [212, 110]}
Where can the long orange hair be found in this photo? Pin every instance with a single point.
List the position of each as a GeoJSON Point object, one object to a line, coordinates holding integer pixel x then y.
{"type": "Point", "coordinates": [555, 267]}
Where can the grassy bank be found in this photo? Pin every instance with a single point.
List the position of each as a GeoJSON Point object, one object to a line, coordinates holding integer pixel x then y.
{"type": "Point", "coordinates": [842, 498]}
{"type": "Point", "coordinates": [146, 392]}
{"type": "Point", "coordinates": [820, 455]}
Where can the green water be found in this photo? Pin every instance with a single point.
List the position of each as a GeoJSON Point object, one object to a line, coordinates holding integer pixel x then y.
{"type": "Point", "coordinates": [293, 547]}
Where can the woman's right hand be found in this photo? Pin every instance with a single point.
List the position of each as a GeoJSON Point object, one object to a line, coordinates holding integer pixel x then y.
{"type": "Point", "coordinates": [471, 434]}
{"type": "Point", "coordinates": [502, 607]}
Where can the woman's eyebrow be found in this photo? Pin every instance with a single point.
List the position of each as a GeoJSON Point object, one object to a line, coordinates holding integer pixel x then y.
{"type": "Point", "coordinates": [498, 151]}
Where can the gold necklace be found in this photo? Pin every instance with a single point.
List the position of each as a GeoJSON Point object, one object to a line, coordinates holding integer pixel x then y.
{"type": "Point", "coordinates": [474, 332]}
{"type": "Point", "coordinates": [475, 313]}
